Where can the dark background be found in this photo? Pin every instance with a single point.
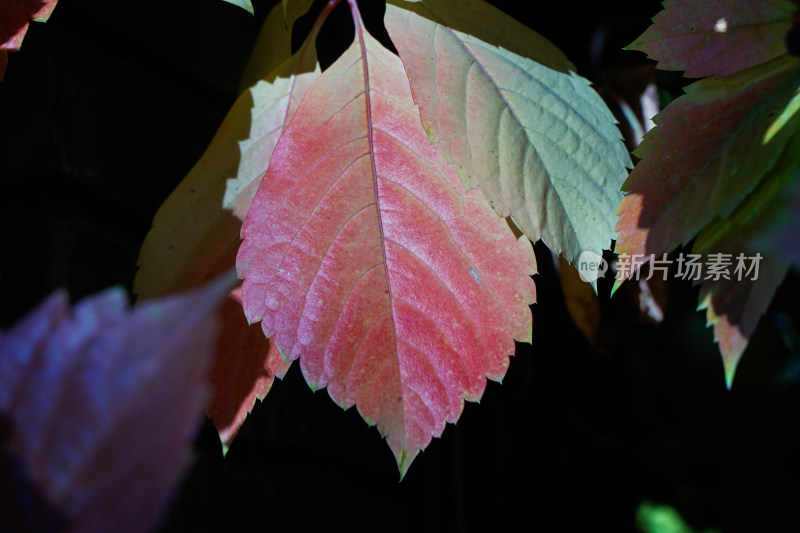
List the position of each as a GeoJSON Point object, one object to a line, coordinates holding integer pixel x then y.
{"type": "Point", "coordinates": [109, 105]}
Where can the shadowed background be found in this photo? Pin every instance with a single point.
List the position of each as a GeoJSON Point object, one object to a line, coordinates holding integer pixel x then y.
{"type": "Point", "coordinates": [108, 106]}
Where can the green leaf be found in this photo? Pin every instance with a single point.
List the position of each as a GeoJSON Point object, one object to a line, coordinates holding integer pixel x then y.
{"type": "Point", "coordinates": [244, 4]}
{"type": "Point", "coordinates": [537, 139]}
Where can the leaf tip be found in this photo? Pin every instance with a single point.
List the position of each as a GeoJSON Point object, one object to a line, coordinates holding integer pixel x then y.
{"type": "Point", "coordinates": [728, 380]}
{"type": "Point", "coordinates": [634, 46]}
{"type": "Point", "coordinates": [403, 462]}
{"type": "Point", "coordinates": [730, 371]}
{"type": "Point", "coordinates": [617, 284]}
{"type": "Point", "coordinates": [731, 355]}
{"type": "Point", "coordinates": [528, 336]}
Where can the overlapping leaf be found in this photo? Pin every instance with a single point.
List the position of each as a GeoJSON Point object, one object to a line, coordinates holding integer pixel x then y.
{"type": "Point", "coordinates": [274, 104]}
{"type": "Point", "coordinates": [734, 306]}
{"type": "Point", "coordinates": [716, 37]}
{"type": "Point", "coordinates": [707, 152]}
{"type": "Point", "coordinates": [720, 153]}
{"type": "Point", "coordinates": [243, 371]}
{"type": "Point", "coordinates": [15, 17]}
{"type": "Point", "coordinates": [104, 400]}
{"type": "Point", "coordinates": [364, 257]}
{"type": "Point", "coordinates": [273, 46]}
{"type": "Point", "coordinates": [194, 238]}
{"type": "Point", "coordinates": [504, 109]}
{"type": "Point", "coordinates": [294, 9]}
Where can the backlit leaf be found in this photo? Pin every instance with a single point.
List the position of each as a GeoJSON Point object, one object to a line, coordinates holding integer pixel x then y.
{"type": "Point", "coordinates": [716, 37]}
{"type": "Point", "coordinates": [104, 400]}
{"type": "Point", "coordinates": [537, 139]}
{"type": "Point", "coordinates": [364, 257]}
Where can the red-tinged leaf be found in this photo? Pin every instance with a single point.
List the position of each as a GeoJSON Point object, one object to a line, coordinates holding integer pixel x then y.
{"type": "Point", "coordinates": [734, 306]}
{"type": "Point", "coordinates": [15, 16]}
{"type": "Point", "coordinates": [244, 369]}
{"type": "Point", "coordinates": [716, 37]}
{"type": "Point", "coordinates": [364, 257]}
{"type": "Point", "coordinates": [274, 104]}
{"type": "Point", "coordinates": [709, 150]}
{"type": "Point", "coordinates": [514, 121]}
{"type": "Point", "coordinates": [104, 400]}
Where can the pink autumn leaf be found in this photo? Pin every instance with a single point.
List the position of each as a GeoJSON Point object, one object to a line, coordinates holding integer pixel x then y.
{"type": "Point", "coordinates": [364, 257]}
{"type": "Point", "coordinates": [103, 400]}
